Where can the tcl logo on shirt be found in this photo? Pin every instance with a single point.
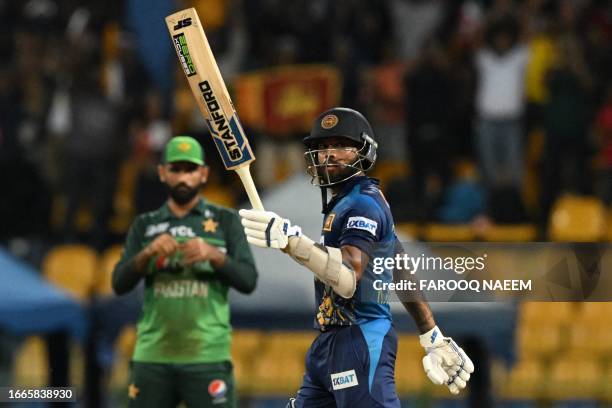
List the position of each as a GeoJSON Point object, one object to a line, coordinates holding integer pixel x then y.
{"type": "Point", "coordinates": [182, 231]}
{"type": "Point", "coordinates": [362, 223]}
{"type": "Point", "coordinates": [177, 231]}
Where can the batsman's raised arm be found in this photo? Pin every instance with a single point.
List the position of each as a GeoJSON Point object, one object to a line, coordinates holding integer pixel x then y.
{"type": "Point", "coordinates": [267, 229]}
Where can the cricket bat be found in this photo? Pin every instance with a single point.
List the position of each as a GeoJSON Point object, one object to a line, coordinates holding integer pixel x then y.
{"type": "Point", "coordinates": [200, 68]}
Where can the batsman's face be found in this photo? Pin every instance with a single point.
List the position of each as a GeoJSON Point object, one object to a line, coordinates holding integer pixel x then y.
{"type": "Point", "coordinates": [183, 180]}
{"type": "Point", "coordinates": [337, 153]}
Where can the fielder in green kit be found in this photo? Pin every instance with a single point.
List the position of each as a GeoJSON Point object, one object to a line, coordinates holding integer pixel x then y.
{"type": "Point", "coordinates": [189, 252]}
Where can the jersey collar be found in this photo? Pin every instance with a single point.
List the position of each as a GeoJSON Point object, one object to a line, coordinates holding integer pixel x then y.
{"type": "Point", "coordinates": [199, 209]}
{"type": "Point", "coordinates": [348, 186]}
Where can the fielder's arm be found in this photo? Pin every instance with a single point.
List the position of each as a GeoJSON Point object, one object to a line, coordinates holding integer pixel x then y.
{"type": "Point", "coordinates": [239, 269]}
{"type": "Point", "coordinates": [134, 260]}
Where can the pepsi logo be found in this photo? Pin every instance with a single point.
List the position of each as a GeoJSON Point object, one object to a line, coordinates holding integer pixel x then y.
{"type": "Point", "coordinates": [217, 388]}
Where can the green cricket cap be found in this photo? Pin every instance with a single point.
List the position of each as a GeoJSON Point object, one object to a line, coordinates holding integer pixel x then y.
{"type": "Point", "coordinates": [184, 148]}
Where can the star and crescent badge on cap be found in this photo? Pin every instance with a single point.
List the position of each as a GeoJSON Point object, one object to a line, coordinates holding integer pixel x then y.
{"type": "Point", "coordinates": [184, 147]}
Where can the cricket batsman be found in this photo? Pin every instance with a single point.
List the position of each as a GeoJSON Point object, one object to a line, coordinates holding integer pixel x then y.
{"type": "Point", "coordinates": [189, 253]}
{"type": "Point", "coordinates": [351, 363]}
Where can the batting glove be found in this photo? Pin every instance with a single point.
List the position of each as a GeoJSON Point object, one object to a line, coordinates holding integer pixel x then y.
{"type": "Point", "coordinates": [445, 362]}
{"type": "Point", "coordinates": [266, 229]}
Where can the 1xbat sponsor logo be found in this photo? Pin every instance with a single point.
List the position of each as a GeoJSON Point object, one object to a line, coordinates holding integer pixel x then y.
{"type": "Point", "coordinates": [362, 223]}
{"type": "Point", "coordinates": [345, 379]}
{"type": "Point", "coordinates": [180, 43]}
{"type": "Point", "coordinates": [219, 125]}
{"type": "Point", "coordinates": [186, 22]}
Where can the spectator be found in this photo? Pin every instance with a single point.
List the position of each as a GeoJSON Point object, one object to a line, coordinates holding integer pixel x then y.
{"type": "Point", "coordinates": [345, 60]}
{"type": "Point", "coordinates": [91, 149]}
{"type": "Point", "coordinates": [149, 137]}
{"type": "Point", "coordinates": [461, 110]}
{"type": "Point", "coordinates": [566, 122]}
{"type": "Point", "coordinates": [369, 28]}
{"type": "Point", "coordinates": [23, 104]}
{"type": "Point", "coordinates": [541, 59]}
{"type": "Point", "coordinates": [10, 105]}
{"type": "Point", "coordinates": [464, 200]}
{"type": "Point", "coordinates": [385, 99]}
{"type": "Point", "coordinates": [428, 90]}
{"type": "Point", "coordinates": [500, 66]}
{"type": "Point", "coordinates": [603, 126]}
{"type": "Point", "coordinates": [414, 21]}
{"type": "Point", "coordinates": [597, 46]}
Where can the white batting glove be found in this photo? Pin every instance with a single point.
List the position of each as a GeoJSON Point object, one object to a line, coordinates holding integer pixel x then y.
{"type": "Point", "coordinates": [267, 229]}
{"type": "Point", "coordinates": [445, 362]}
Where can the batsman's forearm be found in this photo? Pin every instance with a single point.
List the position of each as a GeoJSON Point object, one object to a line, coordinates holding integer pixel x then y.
{"type": "Point", "coordinates": [421, 314]}
{"type": "Point", "coordinates": [127, 274]}
{"type": "Point", "coordinates": [242, 276]}
{"type": "Point", "coordinates": [414, 302]}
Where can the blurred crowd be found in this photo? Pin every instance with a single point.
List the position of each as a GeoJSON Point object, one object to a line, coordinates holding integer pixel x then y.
{"type": "Point", "coordinates": [489, 108]}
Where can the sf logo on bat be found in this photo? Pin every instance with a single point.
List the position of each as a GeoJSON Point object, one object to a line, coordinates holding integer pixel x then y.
{"type": "Point", "coordinates": [219, 126]}
{"type": "Point", "coordinates": [186, 22]}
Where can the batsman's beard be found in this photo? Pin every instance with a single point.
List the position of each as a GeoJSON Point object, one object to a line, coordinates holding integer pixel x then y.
{"type": "Point", "coordinates": [340, 171]}
{"type": "Point", "coordinates": [182, 194]}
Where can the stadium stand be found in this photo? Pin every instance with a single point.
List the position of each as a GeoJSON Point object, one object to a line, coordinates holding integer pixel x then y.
{"type": "Point", "coordinates": [73, 268]}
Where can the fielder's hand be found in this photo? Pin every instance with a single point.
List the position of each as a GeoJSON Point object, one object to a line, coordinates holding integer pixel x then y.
{"type": "Point", "coordinates": [198, 250]}
{"type": "Point", "coordinates": [163, 245]}
{"type": "Point", "coordinates": [266, 229]}
{"type": "Point", "coordinates": [445, 362]}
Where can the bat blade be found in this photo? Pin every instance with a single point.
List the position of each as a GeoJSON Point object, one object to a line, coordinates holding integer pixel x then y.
{"type": "Point", "coordinates": [207, 85]}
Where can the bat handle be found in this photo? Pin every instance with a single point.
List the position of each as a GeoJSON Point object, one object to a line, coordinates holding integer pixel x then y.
{"type": "Point", "coordinates": [247, 181]}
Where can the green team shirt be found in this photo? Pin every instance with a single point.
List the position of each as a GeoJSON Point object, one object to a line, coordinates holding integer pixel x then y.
{"type": "Point", "coordinates": [185, 314]}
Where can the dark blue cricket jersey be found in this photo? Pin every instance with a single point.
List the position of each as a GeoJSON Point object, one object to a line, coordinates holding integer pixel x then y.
{"type": "Point", "coordinates": [351, 363]}
{"type": "Point", "coordinates": [360, 216]}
